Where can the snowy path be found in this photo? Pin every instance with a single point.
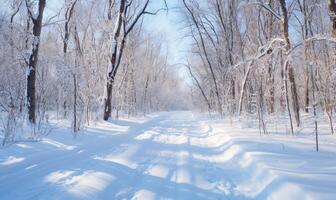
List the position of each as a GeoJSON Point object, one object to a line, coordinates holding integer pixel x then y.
{"type": "Point", "coordinates": [169, 156]}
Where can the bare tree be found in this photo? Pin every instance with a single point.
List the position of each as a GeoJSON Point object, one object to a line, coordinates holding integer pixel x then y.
{"type": "Point", "coordinates": [332, 9]}
{"type": "Point", "coordinates": [33, 59]}
{"type": "Point", "coordinates": [68, 17]}
{"type": "Point", "coordinates": [113, 61]}
{"type": "Point", "coordinates": [288, 66]}
{"type": "Point", "coordinates": [199, 87]}
{"type": "Point", "coordinates": [126, 23]}
{"type": "Point", "coordinates": [204, 50]}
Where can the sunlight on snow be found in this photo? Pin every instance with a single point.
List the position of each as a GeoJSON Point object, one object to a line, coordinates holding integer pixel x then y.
{"type": "Point", "coordinates": [12, 160]}
{"type": "Point", "coordinates": [105, 128]}
{"type": "Point", "coordinates": [147, 135]}
{"type": "Point", "coordinates": [144, 195]}
{"type": "Point", "coordinates": [260, 180]}
{"type": "Point", "coordinates": [117, 159]}
{"type": "Point", "coordinates": [160, 171]}
{"type": "Point", "coordinates": [171, 139]}
{"type": "Point", "coordinates": [84, 185]}
{"type": "Point", "coordinates": [144, 136]}
{"type": "Point", "coordinates": [24, 146]}
{"type": "Point", "coordinates": [175, 136]}
{"type": "Point", "coordinates": [58, 176]}
{"type": "Point", "coordinates": [58, 144]}
{"type": "Point", "coordinates": [225, 156]}
{"type": "Point", "coordinates": [210, 141]}
{"type": "Point", "coordinates": [290, 191]}
{"type": "Point", "coordinates": [31, 167]}
{"type": "Point", "coordinates": [122, 156]}
{"type": "Point", "coordinates": [181, 176]}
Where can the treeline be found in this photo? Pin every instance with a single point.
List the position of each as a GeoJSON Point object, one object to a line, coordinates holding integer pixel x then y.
{"type": "Point", "coordinates": [263, 56]}
{"type": "Point", "coordinates": [80, 60]}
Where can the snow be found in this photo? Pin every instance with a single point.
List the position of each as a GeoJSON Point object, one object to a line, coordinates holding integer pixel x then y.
{"type": "Point", "coordinates": [58, 144]}
{"type": "Point", "coordinates": [172, 155]}
{"type": "Point", "coordinates": [29, 69]}
{"type": "Point", "coordinates": [25, 146]}
{"type": "Point", "coordinates": [35, 42]}
{"type": "Point", "coordinates": [82, 185]}
{"type": "Point", "coordinates": [144, 194]}
{"type": "Point", "coordinates": [12, 160]}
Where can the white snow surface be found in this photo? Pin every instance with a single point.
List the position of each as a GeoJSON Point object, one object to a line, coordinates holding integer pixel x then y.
{"type": "Point", "coordinates": [171, 155]}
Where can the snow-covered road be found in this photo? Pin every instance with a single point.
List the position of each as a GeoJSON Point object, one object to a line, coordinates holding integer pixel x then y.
{"type": "Point", "coordinates": [173, 155]}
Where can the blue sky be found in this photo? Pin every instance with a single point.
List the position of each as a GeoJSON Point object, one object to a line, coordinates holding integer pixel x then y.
{"type": "Point", "coordinates": [165, 25]}
{"type": "Point", "coordinates": [169, 27]}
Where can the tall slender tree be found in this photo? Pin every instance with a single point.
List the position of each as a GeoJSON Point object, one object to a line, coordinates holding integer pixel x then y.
{"type": "Point", "coordinates": [68, 18]}
{"type": "Point", "coordinates": [113, 61]}
{"type": "Point", "coordinates": [288, 66]}
{"type": "Point", "coordinates": [332, 9]}
{"type": "Point", "coordinates": [125, 24]}
{"type": "Point", "coordinates": [36, 18]}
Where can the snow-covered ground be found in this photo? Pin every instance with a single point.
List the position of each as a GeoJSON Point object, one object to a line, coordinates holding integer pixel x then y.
{"type": "Point", "coordinates": [173, 155]}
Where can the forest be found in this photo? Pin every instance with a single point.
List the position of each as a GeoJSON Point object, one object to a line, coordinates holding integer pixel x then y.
{"type": "Point", "coordinates": [78, 63]}
{"type": "Point", "coordinates": [264, 67]}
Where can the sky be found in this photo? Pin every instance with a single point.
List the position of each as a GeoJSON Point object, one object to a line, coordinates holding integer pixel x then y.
{"type": "Point", "coordinates": [168, 25]}
{"type": "Point", "coordinates": [165, 25]}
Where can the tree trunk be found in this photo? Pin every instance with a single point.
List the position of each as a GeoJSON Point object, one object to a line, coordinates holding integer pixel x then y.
{"type": "Point", "coordinates": [332, 8]}
{"type": "Point", "coordinates": [289, 67]}
{"type": "Point", "coordinates": [295, 101]}
{"type": "Point", "coordinates": [270, 83]}
{"type": "Point", "coordinates": [313, 81]}
{"type": "Point", "coordinates": [287, 97]}
{"type": "Point", "coordinates": [75, 128]}
{"type": "Point", "coordinates": [145, 105]}
{"type": "Point", "coordinates": [68, 16]}
{"type": "Point", "coordinates": [113, 61]}
{"type": "Point", "coordinates": [306, 90]}
{"type": "Point", "coordinates": [33, 59]}
{"type": "Point", "coordinates": [306, 30]}
{"type": "Point", "coordinates": [108, 100]}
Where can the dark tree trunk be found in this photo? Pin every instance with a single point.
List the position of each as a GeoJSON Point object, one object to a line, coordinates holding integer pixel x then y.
{"type": "Point", "coordinates": [33, 59]}
{"type": "Point", "coordinates": [68, 16]}
{"type": "Point", "coordinates": [116, 57]}
{"type": "Point", "coordinates": [108, 100]}
{"type": "Point", "coordinates": [332, 8]}
{"type": "Point", "coordinates": [113, 61]}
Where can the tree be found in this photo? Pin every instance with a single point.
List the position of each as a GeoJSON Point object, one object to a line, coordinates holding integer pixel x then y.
{"type": "Point", "coordinates": [68, 16]}
{"type": "Point", "coordinates": [113, 61]}
{"type": "Point", "coordinates": [126, 23]}
{"type": "Point", "coordinates": [332, 9]}
{"type": "Point", "coordinates": [201, 43]}
{"type": "Point", "coordinates": [288, 66]}
{"type": "Point", "coordinates": [33, 58]}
